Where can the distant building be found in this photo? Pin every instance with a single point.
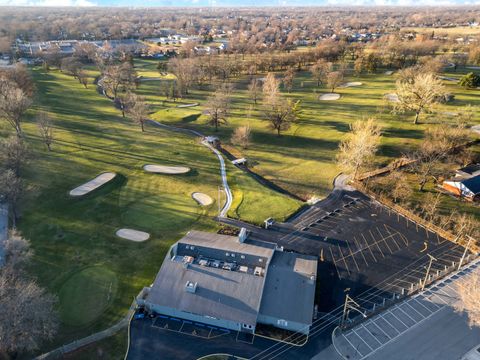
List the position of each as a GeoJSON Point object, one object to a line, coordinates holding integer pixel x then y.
{"type": "Point", "coordinates": [234, 283]}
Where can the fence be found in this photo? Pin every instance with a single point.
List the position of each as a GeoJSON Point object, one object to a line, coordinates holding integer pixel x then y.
{"type": "Point", "coordinates": [406, 292]}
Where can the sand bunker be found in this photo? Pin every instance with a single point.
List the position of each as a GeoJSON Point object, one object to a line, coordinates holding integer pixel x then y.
{"type": "Point", "coordinates": [161, 169]}
{"type": "Point", "coordinates": [473, 67]}
{"type": "Point", "coordinates": [391, 97]}
{"type": "Point", "coordinates": [329, 97]}
{"type": "Point", "coordinates": [133, 235]}
{"type": "Point", "coordinates": [352, 84]}
{"type": "Point", "coordinates": [448, 78]}
{"type": "Point", "coordinates": [476, 129]}
{"type": "Point", "coordinates": [389, 72]}
{"type": "Point", "coordinates": [187, 105]}
{"type": "Point", "coordinates": [93, 184]}
{"type": "Point", "coordinates": [202, 199]}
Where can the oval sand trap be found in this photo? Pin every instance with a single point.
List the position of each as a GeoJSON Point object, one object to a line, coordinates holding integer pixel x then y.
{"type": "Point", "coordinates": [390, 72]}
{"type": "Point", "coordinates": [352, 84]}
{"type": "Point", "coordinates": [161, 169]}
{"type": "Point", "coordinates": [329, 97]}
{"type": "Point", "coordinates": [202, 199]}
{"type": "Point", "coordinates": [473, 67]}
{"type": "Point", "coordinates": [392, 97]}
{"type": "Point", "coordinates": [187, 105]}
{"type": "Point", "coordinates": [93, 184]}
{"type": "Point", "coordinates": [133, 235]}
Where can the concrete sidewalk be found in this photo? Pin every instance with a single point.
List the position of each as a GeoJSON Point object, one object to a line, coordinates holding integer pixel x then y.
{"type": "Point", "coordinates": [424, 326]}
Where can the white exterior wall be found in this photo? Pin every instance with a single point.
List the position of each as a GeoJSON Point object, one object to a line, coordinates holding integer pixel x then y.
{"type": "Point", "coordinates": [284, 324]}
{"type": "Point", "coordinates": [231, 325]}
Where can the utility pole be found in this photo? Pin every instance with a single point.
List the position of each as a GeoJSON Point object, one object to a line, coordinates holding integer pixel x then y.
{"type": "Point", "coordinates": [465, 252]}
{"type": "Point", "coordinates": [350, 304]}
{"type": "Point", "coordinates": [428, 270]}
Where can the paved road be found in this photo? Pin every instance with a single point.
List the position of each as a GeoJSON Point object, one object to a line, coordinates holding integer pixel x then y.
{"type": "Point", "coordinates": [423, 327]}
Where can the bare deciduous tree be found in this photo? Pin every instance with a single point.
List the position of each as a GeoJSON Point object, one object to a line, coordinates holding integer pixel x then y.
{"type": "Point", "coordinates": [418, 94]}
{"type": "Point", "coordinates": [13, 153]}
{"type": "Point", "coordinates": [11, 190]}
{"type": "Point", "coordinates": [334, 79]}
{"type": "Point", "coordinates": [254, 90]}
{"type": "Point", "coordinates": [13, 104]}
{"type": "Point", "coordinates": [138, 110]}
{"type": "Point", "coordinates": [320, 70]}
{"type": "Point", "coordinates": [288, 79]}
{"type": "Point", "coordinates": [270, 89]}
{"type": "Point", "coordinates": [28, 314]}
{"type": "Point", "coordinates": [45, 128]}
{"type": "Point", "coordinates": [218, 106]}
{"type": "Point", "coordinates": [359, 146]}
{"type": "Point", "coordinates": [118, 78]}
{"type": "Point", "coordinates": [281, 113]}
{"type": "Point", "coordinates": [469, 293]}
{"type": "Point", "coordinates": [241, 136]}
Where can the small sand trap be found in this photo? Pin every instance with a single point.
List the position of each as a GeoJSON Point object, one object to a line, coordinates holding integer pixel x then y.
{"type": "Point", "coordinates": [133, 235]}
{"type": "Point", "coordinates": [202, 199]}
{"type": "Point", "coordinates": [329, 97]}
{"type": "Point", "coordinates": [352, 84]}
{"type": "Point", "coordinates": [93, 184]}
{"type": "Point", "coordinates": [391, 97]}
{"type": "Point", "coordinates": [476, 129]}
{"type": "Point", "coordinates": [446, 78]}
{"type": "Point", "coordinates": [161, 169]}
{"type": "Point", "coordinates": [473, 67]}
{"type": "Point", "coordinates": [390, 72]}
{"type": "Point", "coordinates": [187, 105]}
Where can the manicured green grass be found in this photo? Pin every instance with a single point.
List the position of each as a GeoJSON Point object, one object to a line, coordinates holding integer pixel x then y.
{"type": "Point", "coordinates": [86, 295]}
{"type": "Point", "coordinates": [302, 160]}
{"type": "Point", "coordinates": [76, 250]}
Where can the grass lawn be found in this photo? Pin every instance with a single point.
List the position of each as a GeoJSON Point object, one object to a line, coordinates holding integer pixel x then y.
{"type": "Point", "coordinates": [77, 255]}
{"type": "Point", "coordinates": [302, 160]}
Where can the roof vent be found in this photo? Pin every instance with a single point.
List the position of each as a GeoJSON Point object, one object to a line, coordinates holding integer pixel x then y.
{"type": "Point", "coordinates": [191, 287]}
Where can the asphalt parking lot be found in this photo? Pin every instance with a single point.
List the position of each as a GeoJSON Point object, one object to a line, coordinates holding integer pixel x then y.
{"type": "Point", "coordinates": [364, 248]}
{"type": "Point", "coordinates": [169, 338]}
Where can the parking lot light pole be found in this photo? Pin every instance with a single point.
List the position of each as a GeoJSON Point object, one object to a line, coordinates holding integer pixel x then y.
{"type": "Point", "coordinates": [428, 270]}
{"type": "Point", "coordinates": [465, 252]}
{"type": "Point", "coordinates": [350, 304]}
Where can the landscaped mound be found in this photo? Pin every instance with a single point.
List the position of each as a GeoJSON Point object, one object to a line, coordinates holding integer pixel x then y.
{"type": "Point", "coordinates": [132, 235]}
{"type": "Point", "coordinates": [202, 199]}
{"type": "Point", "coordinates": [329, 97]}
{"type": "Point", "coordinates": [93, 184]}
{"type": "Point", "coordinates": [162, 169]}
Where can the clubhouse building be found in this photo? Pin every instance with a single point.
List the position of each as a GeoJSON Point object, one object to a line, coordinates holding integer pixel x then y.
{"type": "Point", "coordinates": [234, 283]}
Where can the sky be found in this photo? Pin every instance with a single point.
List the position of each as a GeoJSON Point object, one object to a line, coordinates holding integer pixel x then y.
{"type": "Point", "coordinates": [200, 3]}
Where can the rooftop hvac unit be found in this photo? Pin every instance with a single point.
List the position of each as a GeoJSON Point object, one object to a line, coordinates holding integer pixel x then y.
{"type": "Point", "coordinates": [191, 287]}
